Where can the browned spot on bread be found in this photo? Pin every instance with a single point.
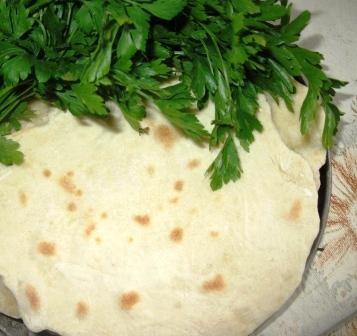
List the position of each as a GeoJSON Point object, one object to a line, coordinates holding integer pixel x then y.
{"type": "Point", "coordinates": [46, 173]}
{"type": "Point", "coordinates": [193, 164]}
{"type": "Point", "coordinates": [23, 198]}
{"type": "Point", "coordinates": [164, 135]}
{"type": "Point", "coordinates": [151, 170]}
{"type": "Point", "coordinates": [79, 192]}
{"type": "Point", "coordinates": [129, 300]}
{"type": "Point", "coordinates": [193, 211]}
{"type": "Point", "coordinates": [173, 200]}
{"type": "Point", "coordinates": [215, 284]}
{"type": "Point", "coordinates": [295, 211]}
{"type": "Point", "coordinates": [33, 297]}
{"type": "Point", "coordinates": [176, 235]}
{"type": "Point", "coordinates": [143, 220]}
{"type": "Point", "coordinates": [178, 185]}
{"type": "Point", "coordinates": [89, 229]}
{"type": "Point", "coordinates": [104, 215]}
{"type": "Point", "coordinates": [47, 249]}
{"type": "Point", "coordinates": [82, 310]}
{"type": "Point", "coordinates": [71, 207]}
{"type": "Point", "coordinates": [70, 173]}
{"type": "Point", "coordinates": [214, 234]}
{"type": "Point", "coordinates": [67, 184]}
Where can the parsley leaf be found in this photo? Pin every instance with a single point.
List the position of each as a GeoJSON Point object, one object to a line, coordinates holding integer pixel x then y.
{"type": "Point", "coordinates": [291, 32]}
{"type": "Point", "coordinates": [226, 167]}
{"type": "Point", "coordinates": [133, 109]}
{"type": "Point", "coordinates": [183, 120]}
{"type": "Point", "coordinates": [165, 9]}
{"type": "Point", "coordinates": [99, 64]}
{"type": "Point", "coordinates": [140, 33]}
{"type": "Point", "coordinates": [9, 153]}
{"type": "Point", "coordinates": [82, 99]}
{"type": "Point", "coordinates": [14, 19]}
{"type": "Point", "coordinates": [16, 68]}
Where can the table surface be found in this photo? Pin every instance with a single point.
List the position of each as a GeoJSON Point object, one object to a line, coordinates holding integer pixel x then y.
{"type": "Point", "coordinates": [329, 294]}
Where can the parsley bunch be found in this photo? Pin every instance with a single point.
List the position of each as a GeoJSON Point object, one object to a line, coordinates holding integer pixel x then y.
{"type": "Point", "coordinates": [79, 54]}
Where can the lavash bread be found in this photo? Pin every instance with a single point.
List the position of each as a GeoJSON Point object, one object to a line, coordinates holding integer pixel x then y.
{"type": "Point", "coordinates": [108, 233]}
{"type": "Point", "coordinates": [8, 304]}
{"type": "Point", "coordinates": [288, 123]}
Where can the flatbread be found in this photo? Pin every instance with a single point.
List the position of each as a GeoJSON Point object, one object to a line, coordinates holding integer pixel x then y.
{"type": "Point", "coordinates": [288, 125]}
{"type": "Point", "coordinates": [8, 304]}
{"type": "Point", "coordinates": [116, 234]}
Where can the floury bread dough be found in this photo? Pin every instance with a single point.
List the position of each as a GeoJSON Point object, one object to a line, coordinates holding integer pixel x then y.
{"type": "Point", "coordinates": [110, 233]}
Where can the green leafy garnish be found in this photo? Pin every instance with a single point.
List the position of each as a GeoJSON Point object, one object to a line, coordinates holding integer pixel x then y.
{"type": "Point", "coordinates": [79, 54]}
{"type": "Point", "coordinates": [9, 153]}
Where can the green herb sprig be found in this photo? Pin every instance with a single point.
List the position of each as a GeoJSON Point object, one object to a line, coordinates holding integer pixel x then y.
{"type": "Point", "coordinates": [79, 54]}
